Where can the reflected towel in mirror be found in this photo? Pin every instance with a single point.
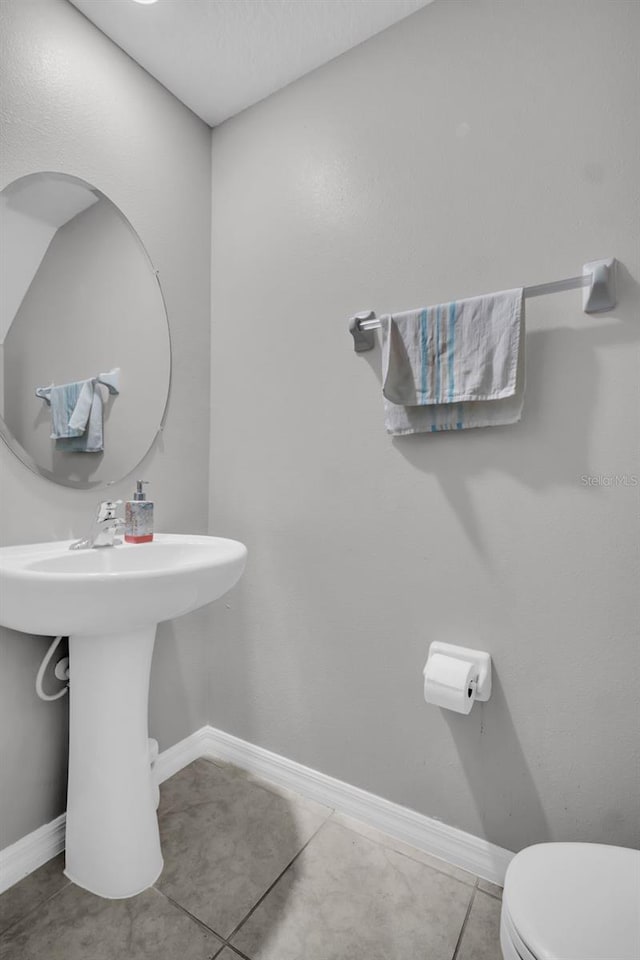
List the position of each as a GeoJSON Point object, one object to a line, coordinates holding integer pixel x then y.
{"type": "Point", "coordinates": [87, 414]}
{"type": "Point", "coordinates": [77, 412]}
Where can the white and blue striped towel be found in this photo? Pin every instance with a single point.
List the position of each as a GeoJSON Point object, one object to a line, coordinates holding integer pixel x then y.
{"type": "Point", "coordinates": [76, 416]}
{"type": "Point", "coordinates": [455, 365]}
{"type": "Point", "coordinates": [70, 406]}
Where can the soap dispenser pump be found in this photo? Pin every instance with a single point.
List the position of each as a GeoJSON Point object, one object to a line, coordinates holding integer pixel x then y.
{"type": "Point", "coordinates": [138, 517]}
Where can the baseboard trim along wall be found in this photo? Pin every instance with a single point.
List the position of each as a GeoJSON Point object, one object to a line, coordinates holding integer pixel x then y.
{"type": "Point", "coordinates": [431, 836]}
{"type": "Point", "coordinates": [30, 852]}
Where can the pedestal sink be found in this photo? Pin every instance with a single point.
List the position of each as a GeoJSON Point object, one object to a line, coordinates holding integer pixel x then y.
{"type": "Point", "coordinates": [108, 601]}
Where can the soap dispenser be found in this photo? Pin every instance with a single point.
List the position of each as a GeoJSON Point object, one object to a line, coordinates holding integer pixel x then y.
{"type": "Point", "coordinates": [138, 517]}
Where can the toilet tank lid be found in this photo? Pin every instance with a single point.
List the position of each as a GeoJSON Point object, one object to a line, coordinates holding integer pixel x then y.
{"type": "Point", "coordinates": [576, 900]}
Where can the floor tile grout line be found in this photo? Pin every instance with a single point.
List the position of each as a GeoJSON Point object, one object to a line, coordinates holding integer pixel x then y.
{"type": "Point", "coordinates": [274, 787]}
{"type": "Point", "coordinates": [38, 906]}
{"type": "Point", "coordinates": [252, 778]}
{"type": "Point", "coordinates": [277, 880]}
{"type": "Point", "coordinates": [192, 916]}
{"type": "Point", "coordinates": [226, 940]}
{"type": "Point", "coordinates": [331, 817]}
{"type": "Point", "coordinates": [494, 896]}
{"type": "Point", "coordinates": [236, 952]}
{"type": "Point", "coordinates": [464, 922]}
{"type": "Point", "coordinates": [223, 947]}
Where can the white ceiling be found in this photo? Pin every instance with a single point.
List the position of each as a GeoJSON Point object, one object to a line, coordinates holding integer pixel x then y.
{"type": "Point", "coordinates": [220, 56]}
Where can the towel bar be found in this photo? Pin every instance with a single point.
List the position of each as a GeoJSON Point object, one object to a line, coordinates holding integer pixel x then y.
{"type": "Point", "coordinates": [111, 381]}
{"type": "Point", "coordinates": [598, 278]}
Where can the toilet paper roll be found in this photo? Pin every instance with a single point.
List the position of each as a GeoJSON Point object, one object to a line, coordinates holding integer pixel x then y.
{"type": "Point", "coordinates": [449, 682]}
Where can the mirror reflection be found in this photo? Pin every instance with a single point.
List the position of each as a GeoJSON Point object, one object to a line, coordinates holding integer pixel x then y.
{"type": "Point", "coordinates": [84, 341]}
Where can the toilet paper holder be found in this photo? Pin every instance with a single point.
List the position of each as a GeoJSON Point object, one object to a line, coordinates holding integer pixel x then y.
{"type": "Point", "coordinates": [482, 660]}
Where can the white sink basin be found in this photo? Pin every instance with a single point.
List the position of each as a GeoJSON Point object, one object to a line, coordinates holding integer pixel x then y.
{"type": "Point", "coordinates": [47, 588]}
{"type": "Point", "coordinates": [108, 601]}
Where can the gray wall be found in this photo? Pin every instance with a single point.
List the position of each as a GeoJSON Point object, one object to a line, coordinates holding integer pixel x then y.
{"type": "Point", "coordinates": [93, 305]}
{"type": "Point", "coordinates": [472, 147]}
{"type": "Point", "coordinates": [72, 101]}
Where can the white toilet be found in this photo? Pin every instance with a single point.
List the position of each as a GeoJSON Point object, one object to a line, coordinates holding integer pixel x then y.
{"type": "Point", "coordinates": [572, 901]}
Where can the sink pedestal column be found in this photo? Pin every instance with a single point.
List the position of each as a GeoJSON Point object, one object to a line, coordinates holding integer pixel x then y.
{"type": "Point", "coordinates": [112, 843]}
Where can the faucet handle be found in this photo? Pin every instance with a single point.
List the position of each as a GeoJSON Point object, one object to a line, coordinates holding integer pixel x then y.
{"type": "Point", "coordinates": [107, 510]}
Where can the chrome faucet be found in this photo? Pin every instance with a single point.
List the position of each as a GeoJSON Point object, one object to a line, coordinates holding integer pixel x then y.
{"type": "Point", "coordinates": [105, 528]}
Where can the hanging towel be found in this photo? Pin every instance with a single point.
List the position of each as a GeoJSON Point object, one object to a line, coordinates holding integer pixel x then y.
{"type": "Point", "coordinates": [70, 408]}
{"type": "Point", "coordinates": [454, 365]}
{"type": "Point", "coordinates": [76, 417]}
{"type": "Point", "coordinates": [92, 438]}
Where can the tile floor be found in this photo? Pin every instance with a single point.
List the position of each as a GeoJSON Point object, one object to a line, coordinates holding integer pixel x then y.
{"type": "Point", "coordinates": [253, 871]}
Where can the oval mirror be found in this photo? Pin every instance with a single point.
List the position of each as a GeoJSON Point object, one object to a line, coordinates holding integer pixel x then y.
{"type": "Point", "coordinates": [85, 354]}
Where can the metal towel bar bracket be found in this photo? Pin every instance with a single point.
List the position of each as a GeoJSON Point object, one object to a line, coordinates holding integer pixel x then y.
{"type": "Point", "coordinates": [598, 280]}
{"type": "Point", "coordinates": [361, 329]}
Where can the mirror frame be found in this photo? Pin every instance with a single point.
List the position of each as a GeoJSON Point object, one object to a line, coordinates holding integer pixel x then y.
{"type": "Point", "coordinates": [10, 441]}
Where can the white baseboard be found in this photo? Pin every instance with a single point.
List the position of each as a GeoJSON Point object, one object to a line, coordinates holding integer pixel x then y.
{"type": "Point", "coordinates": [461, 849]}
{"type": "Point", "coordinates": [30, 852]}
{"type": "Point", "coordinates": [181, 754]}
{"type": "Point", "coordinates": [431, 836]}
